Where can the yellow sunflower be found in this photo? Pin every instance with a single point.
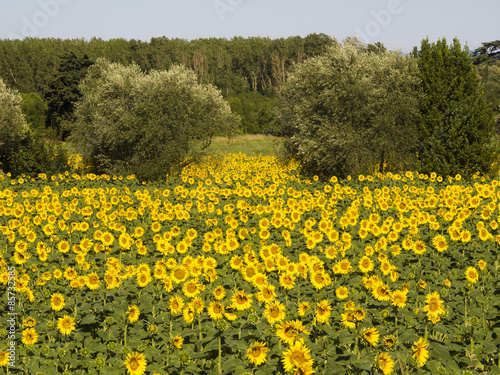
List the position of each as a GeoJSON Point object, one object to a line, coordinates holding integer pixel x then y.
{"type": "Point", "coordinates": [66, 324]}
{"type": "Point", "coordinates": [216, 310]}
{"type": "Point", "coordinates": [133, 314]}
{"type": "Point", "coordinates": [323, 311]}
{"type": "Point", "coordinates": [29, 322]}
{"type": "Point", "coordinates": [342, 292]}
{"type": "Point", "coordinates": [30, 336]}
{"type": "Point", "coordinates": [398, 298]}
{"type": "Point", "coordinates": [191, 288]}
{"type": "Point", "coordinates": [274, 312]}
{"type": "Point", "coordinates": [257, 353]}
{"type": "Point", "coordinates": [178, 341]}
{"type": "Point", "coordinates": [136, 363]}
{"type": "Point", "coordinates": [303, 307]}
{"type": "Point", "coordinates": [241, 301]}
{"type": "Point", "coordinates": [176, 305]}
{"type": "Point", "coordinates": [57, 302]}
{"type": "Point", "coordinates": [420, 352]}
{"type": "Point", "coordinates": [471, 275]}
{"type": "Point", "coordinates": [371, 336]}
{"type": "Point", "coordinates": [297, 356]}
{"type": "Point", "coordinates": [4, 358]}
{"type": "Point", "coordinates": [385, 363]}
{"type": "Point", "coordinates": [92, 281]}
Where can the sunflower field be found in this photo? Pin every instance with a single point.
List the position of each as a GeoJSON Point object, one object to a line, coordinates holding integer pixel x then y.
{"type": "Point", "coordinates": [241, 266]}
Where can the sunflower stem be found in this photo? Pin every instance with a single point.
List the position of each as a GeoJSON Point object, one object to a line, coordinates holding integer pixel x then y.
{"type": "Point", "coordinates": [220, 356]}
{"type": "Point", "coordinates": [125, 335]}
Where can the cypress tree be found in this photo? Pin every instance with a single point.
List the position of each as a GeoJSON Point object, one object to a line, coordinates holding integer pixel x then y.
{"type": "Point", "coordinates": [456, 122]}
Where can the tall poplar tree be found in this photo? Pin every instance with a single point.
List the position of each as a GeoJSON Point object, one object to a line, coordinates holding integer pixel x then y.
{"type": "Point", "coordinates": [456, 122]}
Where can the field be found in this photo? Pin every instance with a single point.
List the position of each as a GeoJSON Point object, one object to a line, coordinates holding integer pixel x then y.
{"type": "Point", "coordinates": [243, 266]}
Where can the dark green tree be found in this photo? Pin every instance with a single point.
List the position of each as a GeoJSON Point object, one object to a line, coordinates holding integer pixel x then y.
{"type": "Point", "coordinates": [488, 53]}
{"type": "Point", "coordinates": [456, 121]}
{"type": "Point", "coordinates": [62, 92]}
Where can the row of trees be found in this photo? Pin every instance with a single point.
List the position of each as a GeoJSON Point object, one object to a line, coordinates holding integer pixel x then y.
{"type": "Point", "coordinates": [348, 111]}
{"type": "Point", "coordinates": [248, 71]}
{"type": "Point", "coordinates": [342, 111]}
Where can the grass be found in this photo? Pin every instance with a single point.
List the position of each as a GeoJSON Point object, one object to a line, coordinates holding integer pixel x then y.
{"type": "Point", "coordinates": [249, 144]}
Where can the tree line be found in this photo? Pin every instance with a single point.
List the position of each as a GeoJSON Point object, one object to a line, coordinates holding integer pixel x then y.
{"type": "Point", "coordinates": [341, 107]}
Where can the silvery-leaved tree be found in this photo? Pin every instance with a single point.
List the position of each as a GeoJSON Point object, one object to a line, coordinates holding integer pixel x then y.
{"type": "Point", "coordinates": [351, 111]}
{"type": "Point", "coordinates": [12, 123]}
{"type": "Point", "coordinates": [147, 124]}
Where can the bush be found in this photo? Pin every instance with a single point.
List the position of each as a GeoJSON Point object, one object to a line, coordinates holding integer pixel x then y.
{"type": "Point", "coordinates": [348, 111]}
{"type": "Point", "coordinates": [129, 122]}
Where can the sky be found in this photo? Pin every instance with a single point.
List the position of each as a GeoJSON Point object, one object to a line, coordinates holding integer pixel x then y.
{"type": "Point", "coordinates": [398, 24]}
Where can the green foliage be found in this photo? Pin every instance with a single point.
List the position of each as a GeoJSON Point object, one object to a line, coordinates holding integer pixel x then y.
{"type": "Point", "coordinates": [256, 112]}
{"type": "Point", "coordinates": [61, 91]}
{"type": "Point", "coordinates": [456, 121]}
{"type": "Point", "coordinates": [347, 111]}
{"type": "Point", "coordinates": [34, 110]}
{"type": "Point", "coordinates": [488, 53]}
{"type": "Point", "coordinates": [12, 122]}
{"type": "Point", "coordinates": [130, 122]}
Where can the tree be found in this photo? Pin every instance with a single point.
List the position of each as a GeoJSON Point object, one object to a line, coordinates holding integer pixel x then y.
{"type": "Point", "coordinates": [61, 92]}
{"type": "Point", "coordinates": [347, 111]}
{"type": "Point", "coordinates": [488, 53]}
{"type": "Point", "coordinates": [130, 122]}
{"type": "Point", "coordinates": [456, 121]}
{"type": "Point", "coordinates": [12, 123]}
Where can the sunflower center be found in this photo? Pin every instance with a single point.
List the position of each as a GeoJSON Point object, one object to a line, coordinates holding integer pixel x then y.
{"type": "Point", "coordinates": [297, 358]}
{"type": "Point", "coordinates": [191, 288]}
{"type": "Point", "coordinates": [134, 364]}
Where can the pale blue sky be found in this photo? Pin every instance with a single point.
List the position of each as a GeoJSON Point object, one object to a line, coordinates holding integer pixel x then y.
{"type": "Point", "coordinates": [396, 23]}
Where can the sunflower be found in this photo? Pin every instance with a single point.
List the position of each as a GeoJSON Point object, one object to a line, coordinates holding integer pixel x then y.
{"type": "Point", "coordinates": [4, 358]}
{"type": "Point", "coordinates": [371, 336]}
{"type": "Point", "coordinates": [257, 353]}
{"type": "Point", "coordinates": [342, 292]}
{"type": "Point", "coordinates": [347, 319]}
{"type": "Point", "coordinates": [66, 324]}
{"type": "Point", "coordinates": [198, 304]}
{"type": "Point", "coordinates": [303, 307]}
{"type": "Point", "coordinates": [216, 310]}
{"type": "Point", "coordinates": [481, 264]}
{"type": "Point", "coordinates": [298, 356]}
{"type": "Point", "coordinates": [290, 331]}
{"type": "Point", "coordinates": [178, 341]}
{"type": "Point", "coordinates": [179, 274]}
{"type": "Point", "coordinates": [287, 281]}
{"type": "Point", "coordinates": [274, 312]}
{"type": "Point", "coordinates": [29, 322]}
{"type": "Point", "coordinates": [30, 336]}
{"type": "Point", "coordinates": [70, 273]}
{"type": "Point", "coordinates": [323, 311]}
{"type": "Point", "coordinates": [241, 301]}
{"type": "Point", "coordinates": [57, 302]}
{"type": "Point", "coordinates": [471, 275]}
{"type": "Point", "coordinates": [398, 298]}
{"type": "Point", "coordinates": [219, 292]}
{"type": "Point", "coordinates": [365, 264]}
{"type": "Point", "coordinates": [92, 281]}
{"type": "Point", "coordinates": [390, 341]}
{"type": "Point", "coordinates": [420, 352]}
{"type": "Point", "coordinates": [434, 304]}
{"type": "Point", "coordinates": [176, 305]}
{"type": "Point", "coordinates": [133, 313]}
{"type": "Point", "coordinates": [135, 363]}
{"type": "Point", "coordinates": [385, 363]}
{"type": "Point", "coordinates": [188, 313]}
{"type": "Point", "coordinates": [191, 288]}
{"type": "Point", "coordinates": [381, 292]}
{"type": "Point", "coordinates": [143, 279]}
